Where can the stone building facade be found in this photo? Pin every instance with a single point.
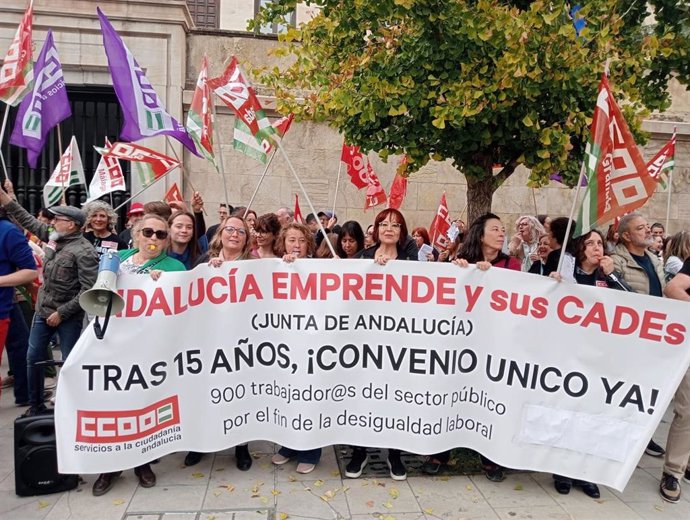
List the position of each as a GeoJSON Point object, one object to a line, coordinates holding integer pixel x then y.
{"type": "Point", "coordinates": [169, 39]}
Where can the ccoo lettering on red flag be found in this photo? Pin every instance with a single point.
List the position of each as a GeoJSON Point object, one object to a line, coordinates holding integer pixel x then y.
{"type": "Point", "coordinates": [356, 165]}
{"type": "Point", "coordinates": [440, 225]}
{"type": "Point", "coordinates": [617, 177]}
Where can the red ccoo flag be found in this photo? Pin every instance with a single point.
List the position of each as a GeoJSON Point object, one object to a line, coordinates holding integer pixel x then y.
{"type": "Point", "coordinates": [173, 194]}
{"type": "Point", "coordinates": [399, 187]}
{"type": "Point", "coordinates": [440, 226]}
{"type": "Point", "coordinates": [375, 194]}
{"type": "Point", "coordinates": [356, 165]}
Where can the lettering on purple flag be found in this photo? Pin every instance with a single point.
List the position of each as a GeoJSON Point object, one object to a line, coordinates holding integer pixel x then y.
{"type": "Point", "coordinates": [45, 106]}
{"type": "Point", "coordinates": [144, 114]}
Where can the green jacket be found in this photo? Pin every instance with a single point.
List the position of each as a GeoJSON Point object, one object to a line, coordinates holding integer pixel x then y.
{"type": "Point", "coordinates": [162, 262]}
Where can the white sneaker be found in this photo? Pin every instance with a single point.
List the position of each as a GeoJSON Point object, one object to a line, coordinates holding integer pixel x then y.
{"type": "Point", "coordinates": [279, 459]}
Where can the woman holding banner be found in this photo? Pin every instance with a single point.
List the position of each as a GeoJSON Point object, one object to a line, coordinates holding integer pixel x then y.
{"type": "Point", "coordinates": [483, 247]}
{"type": "Point", "coordinates": [297, 241]}
{"type": "Point", "coordinates": [230, 243]}
{"type": "Point", "coordinates": [391, 242]}
{"type": "Point", "coordinates": [151, 234]}
{"type": "Point", "coordinates": [592, 267]}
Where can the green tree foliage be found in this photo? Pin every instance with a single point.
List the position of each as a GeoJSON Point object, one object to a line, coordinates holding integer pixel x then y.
{"type": "Point", "coordinates": [480, 82]}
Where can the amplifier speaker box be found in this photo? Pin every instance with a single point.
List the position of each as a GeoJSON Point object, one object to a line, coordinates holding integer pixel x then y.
{"type": "Point", "coordinates": [35, 458]}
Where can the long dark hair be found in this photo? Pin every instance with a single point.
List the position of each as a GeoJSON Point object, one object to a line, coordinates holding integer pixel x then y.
{"type": "Point", "coordinates": [352, 229]}
{"type": "Point", "coordinates": [471, 249]}
{"type": "Point", "coordinates": [193, 246]}
{"type": "Point", "coordinates": [579, 245]}
{"type": "Point", "coordinates": [558, 228]}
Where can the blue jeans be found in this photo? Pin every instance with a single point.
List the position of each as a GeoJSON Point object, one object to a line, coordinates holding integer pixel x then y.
{"type": "Point", "coordinates": [41, 333]}
{"type": "Point", "coordinates": [17, 344]}
{"type": "Point", "coordinates": [305, 456]}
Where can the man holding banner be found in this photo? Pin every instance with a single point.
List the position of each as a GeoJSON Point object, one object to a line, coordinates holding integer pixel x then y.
{"type": "Point", "coordinates": [678, 443]}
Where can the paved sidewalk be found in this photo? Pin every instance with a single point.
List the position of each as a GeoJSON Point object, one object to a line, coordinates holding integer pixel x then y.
{"type": "Point", "coordinates": [266, 493]}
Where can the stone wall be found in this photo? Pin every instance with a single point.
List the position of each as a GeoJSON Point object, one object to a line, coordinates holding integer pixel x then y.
{"type": "Point", "coordinates": [314, 150]}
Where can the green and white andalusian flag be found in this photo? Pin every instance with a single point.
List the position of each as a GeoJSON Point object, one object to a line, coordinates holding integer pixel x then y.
{"type": "Point", "coordinates": [244, 141]}
{"type": "Point", "coordinates": [662, 163]}
{"type": "Point", "coordinates": [199, 120]}
{"type": "Point", "coordinates": [69, 172]}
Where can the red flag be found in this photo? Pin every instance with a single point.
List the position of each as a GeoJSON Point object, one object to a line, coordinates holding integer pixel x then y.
{"type": "Point", "coordinates": [396, 196]}
{"type": "Point", "coordinates": [16, 73]}
{"type": "Point", "coordinates": [356, 165]}
{"type": "Point", "coordinates": [662, 163]}
{"type": "Point", "coordinates": [440, 226]}
{"type": "Point", "coordinates": [298, 213]}
{"type": "Point", "coordinates": [158, 164]}
{"type": "Point", "coordinates": [375, 194]}
{"type": "Point", "coordinates": [283, 124]}
{"type": "Point", "coordinates": [173, 194]}
{"type": "Point", "coordinates": [617, 177]}
{"type": "Point", "coordinates": [236, 92]}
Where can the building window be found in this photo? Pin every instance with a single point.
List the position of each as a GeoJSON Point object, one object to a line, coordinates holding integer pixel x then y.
{"type": "Point", "coordinates": [204, 13]}
{"type": "Point", "coordinates": [273, 28]}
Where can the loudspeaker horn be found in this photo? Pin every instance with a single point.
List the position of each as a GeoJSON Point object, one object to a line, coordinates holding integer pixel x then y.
{"type": "Point", "coordinates": [96, 301]}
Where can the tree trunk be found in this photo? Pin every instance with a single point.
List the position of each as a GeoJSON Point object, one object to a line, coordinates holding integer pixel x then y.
{"type": "Point", "coordinates": [480, 192]}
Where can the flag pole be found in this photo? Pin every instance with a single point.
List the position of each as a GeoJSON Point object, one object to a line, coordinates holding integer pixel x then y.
{"type": "Point", "coordinates": [306, 196]}
{"type": "Point", "coordinates": [220, 150]}
{"type": "Point", "coordinates": [182, 169]}
{"type": "Point", "coordinates": [668, 199]}
{"type": "Point", "coordinates": [2, 137]}
{"type": "Point", "coordinates": [142, 190]}
{"type": "Point", "coordinates": [337, 183]}
{"type": "Point", "coordinates": [572, 213]}
{"type": "Point", "coordinates": [63, 196]}
{"type": "Point", "coordinates": [261, 180]}
{"type": "Point", "coordinates": [433, 241]}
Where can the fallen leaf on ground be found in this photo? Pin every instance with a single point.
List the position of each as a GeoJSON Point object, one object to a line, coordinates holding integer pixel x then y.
{"type": "Point", "coordinates": [118, 502]}
{"type": "Point", "coordinates": [370, 503]}
{"type": "Point", "coordinates": [428, 511]}
{"type": "Point", "coordinates": [469, 488]}
{"type": "Point", "coordinates": [318, 483]}
{"type": "Point", "coordinates": [388, 505]}
{"type": "Point", "coordinates": [275, 492]}
{"type": "Point", "coordinates": [197, 475]}
{"type": "Point", "coordinates": [216, 493]}
{"type": "Point", "coordinates": [42, 504]}
{"type": "Point", "coordinates": [292, 478]}
{"type": "Point", "coordinates": [264, 500]}
{"type": "Point", "coordinates": [394, 492]}
{"type": "Point", "coordinates": [335, 473]}
{"type": "Point", "coordinates": [518, 487]}
{"type": "Point", "coordinates": [229, 487]}
{"type": "Point", "coordinates": [283, 516]}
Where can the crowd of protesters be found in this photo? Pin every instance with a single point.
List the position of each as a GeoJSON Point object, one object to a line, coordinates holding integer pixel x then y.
{"type": "Point", "coordinates": [57, 260]}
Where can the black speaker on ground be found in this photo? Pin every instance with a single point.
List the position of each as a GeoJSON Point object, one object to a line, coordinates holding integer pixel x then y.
{"type": "Point", "coordinates": [35, 458]}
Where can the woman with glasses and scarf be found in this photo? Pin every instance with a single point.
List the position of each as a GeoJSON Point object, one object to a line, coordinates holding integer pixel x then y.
{"type": "Point", "coordinates": [151, 237]}
{"type": "Point", "coordinates": [231, 242]}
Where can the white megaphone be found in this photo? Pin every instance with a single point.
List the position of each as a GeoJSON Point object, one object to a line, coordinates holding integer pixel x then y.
{"type": "Point", "coordinates": [102, 299]}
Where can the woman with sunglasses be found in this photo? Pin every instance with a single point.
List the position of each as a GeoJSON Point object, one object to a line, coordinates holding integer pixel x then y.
{"type": "Point", "coordinates": [149, 257]}
{"type": "Point", "coordinates": [525, 242]}
{"type": "Point", "coordinates": [231, 242]}
{"type": "Point", "coordinates": [391, 242]}
{"type": "Point", "coordinates": [297, 241]}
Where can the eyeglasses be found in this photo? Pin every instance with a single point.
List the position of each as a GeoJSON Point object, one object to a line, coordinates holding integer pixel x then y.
{"type": "Point", "coordinates": [233, 229]}
{"type": "Point", "coordinates": [392, 225]}
{"type": "Point", "coordinates": [148, 232]}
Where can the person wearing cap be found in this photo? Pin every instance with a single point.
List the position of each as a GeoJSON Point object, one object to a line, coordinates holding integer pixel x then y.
{"type": "Point", "coordinates": [135, 214]}
{"type": "Point", "coordinates": [70, 268]}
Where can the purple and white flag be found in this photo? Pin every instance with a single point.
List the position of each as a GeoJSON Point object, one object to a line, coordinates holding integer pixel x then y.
{"type": "Point", "coordinates": [144, 114]}
{"type": "Point", "coordinates": [45, 106]}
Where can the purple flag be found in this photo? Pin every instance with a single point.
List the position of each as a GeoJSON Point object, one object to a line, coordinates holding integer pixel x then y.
{"type": "Point", "coordinates": [45, 106]}
{"type": "Point", "coordinates": [144, 114]}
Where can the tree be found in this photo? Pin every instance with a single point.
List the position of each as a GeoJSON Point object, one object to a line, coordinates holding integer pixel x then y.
{"type": "Point", "coordinates": [480, 82]}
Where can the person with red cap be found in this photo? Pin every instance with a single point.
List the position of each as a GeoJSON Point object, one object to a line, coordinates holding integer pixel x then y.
{"type": "Point", "coordinates": [134, 215]}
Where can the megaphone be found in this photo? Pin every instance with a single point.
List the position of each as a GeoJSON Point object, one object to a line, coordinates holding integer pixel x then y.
{"type": "Point", "coordinates": [102, 299]}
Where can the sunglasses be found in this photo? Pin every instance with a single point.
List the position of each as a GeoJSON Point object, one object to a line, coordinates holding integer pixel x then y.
{"type": "Point", "coordinates": [149, 232]}
{"type": "Point", "coordinates": [233, 229]}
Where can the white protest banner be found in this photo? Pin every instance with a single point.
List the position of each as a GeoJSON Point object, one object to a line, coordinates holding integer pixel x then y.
{"type": "Point", "coordinates": [533, 373]}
